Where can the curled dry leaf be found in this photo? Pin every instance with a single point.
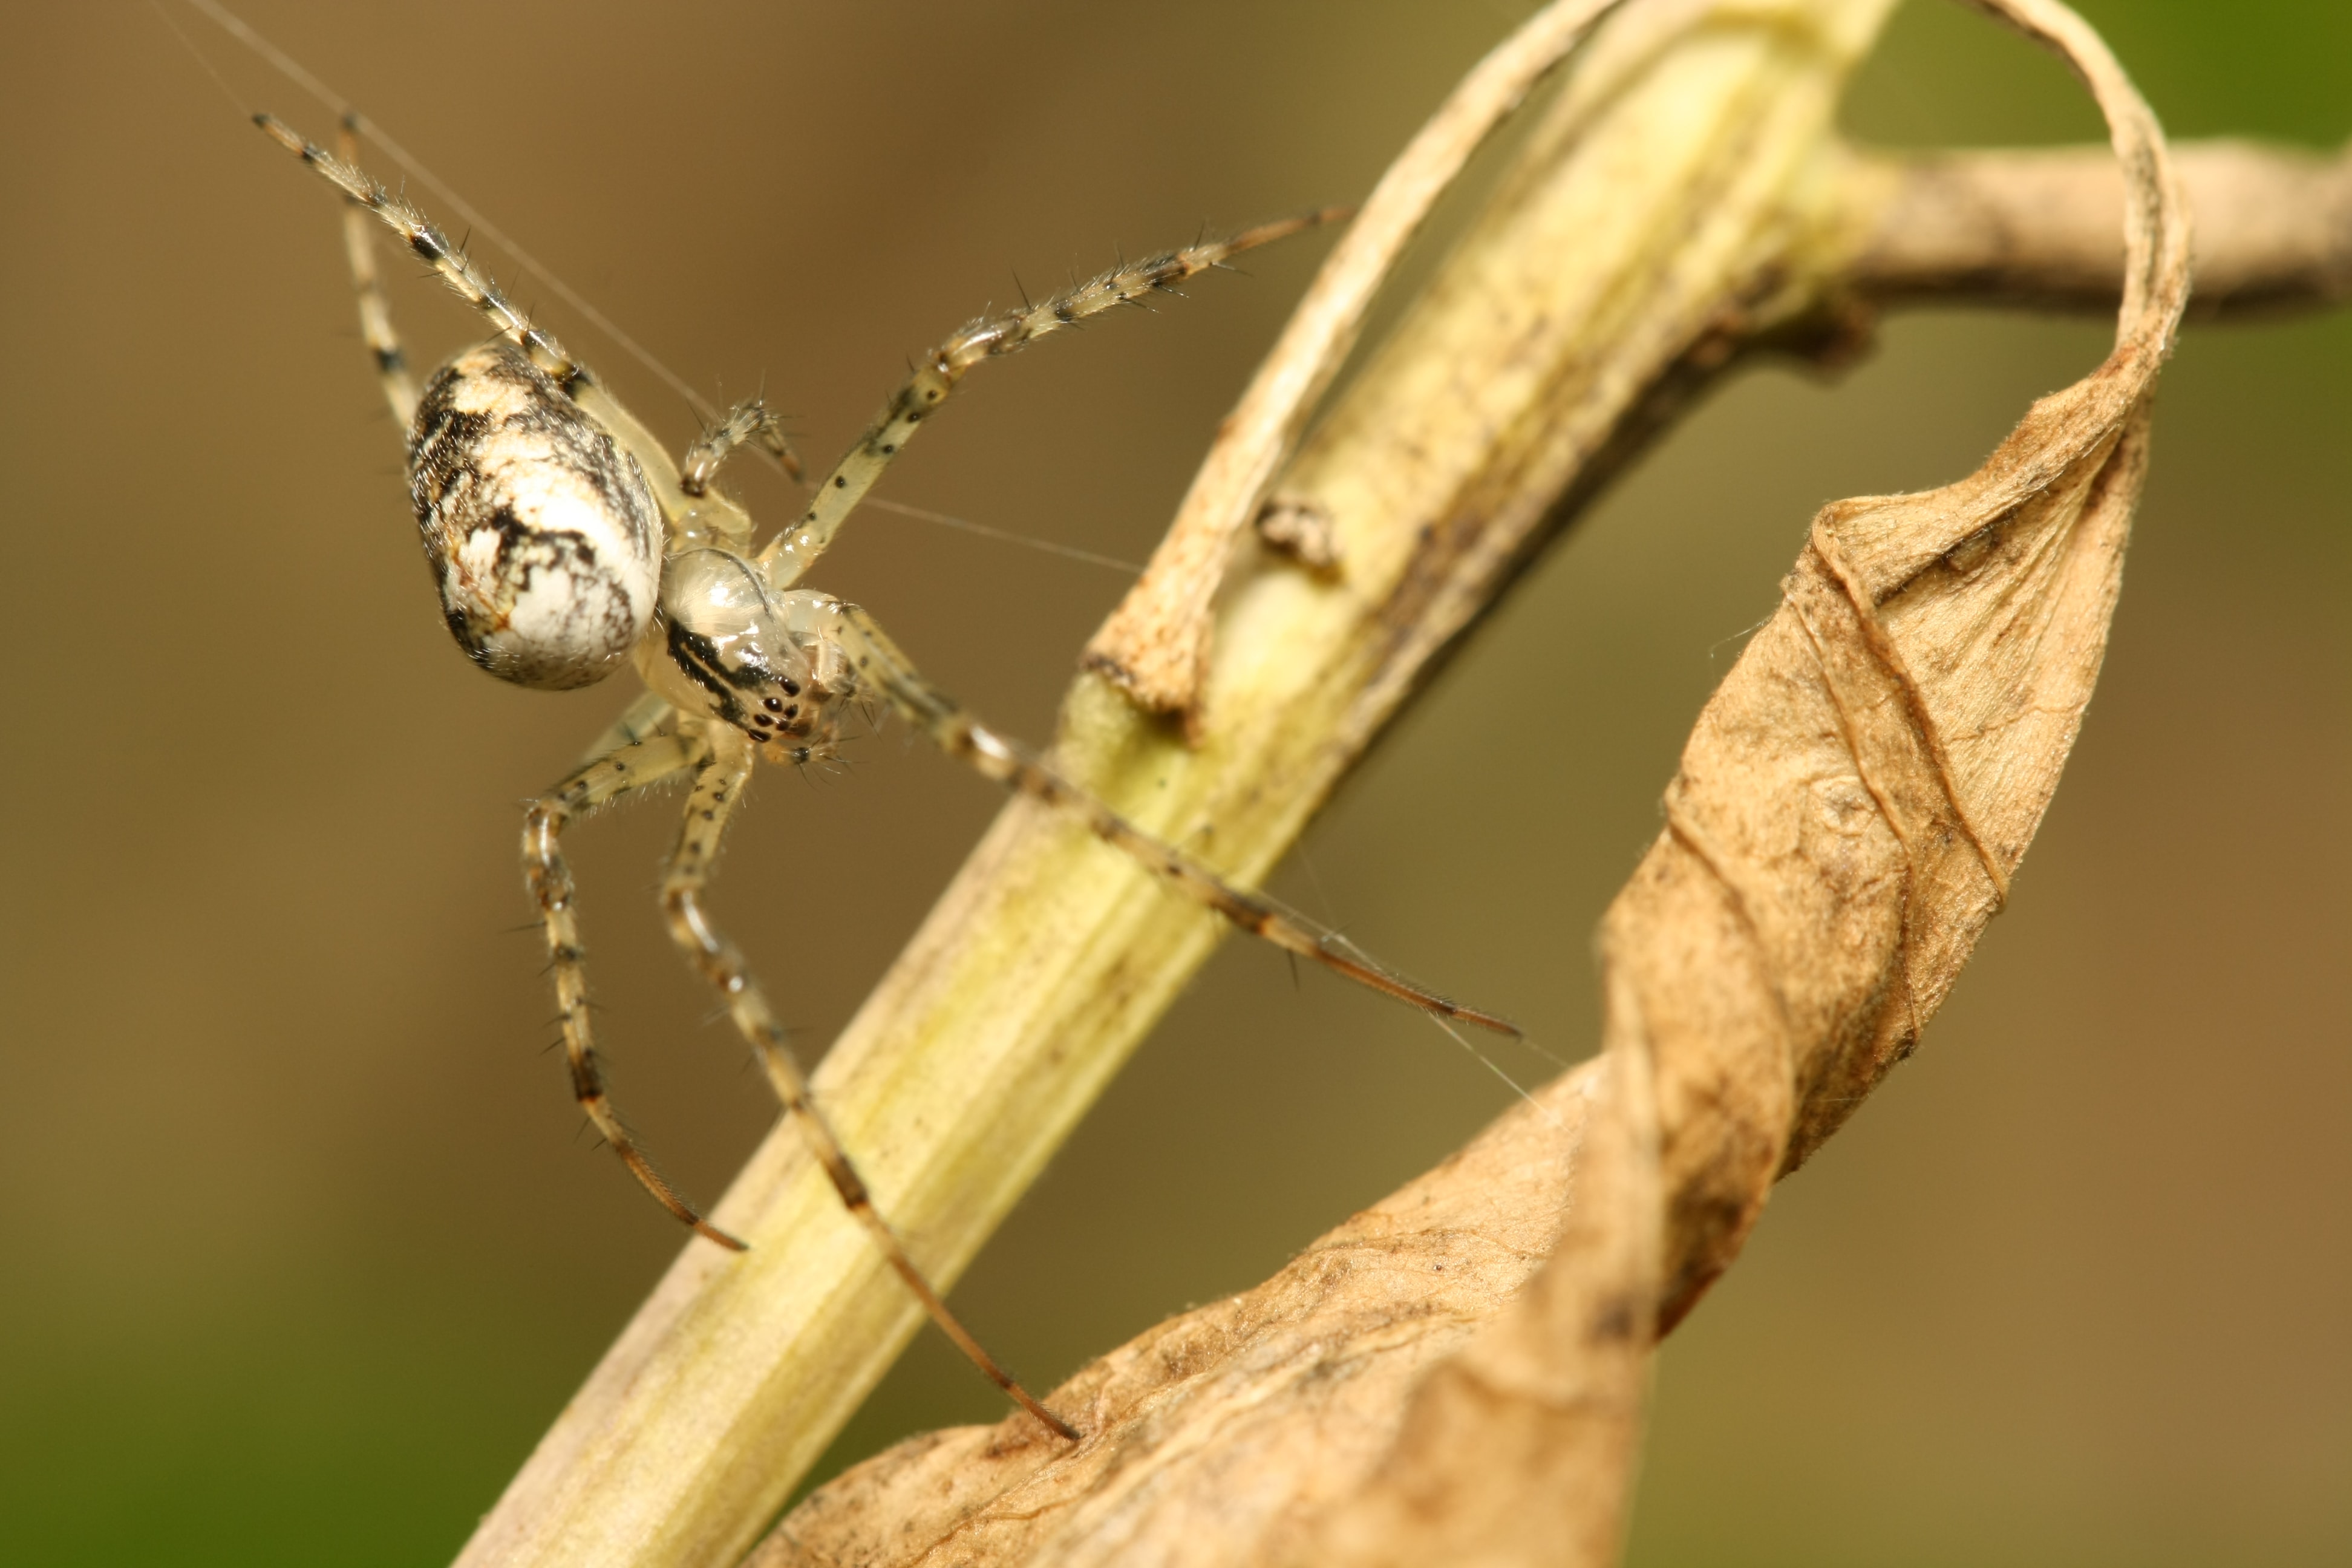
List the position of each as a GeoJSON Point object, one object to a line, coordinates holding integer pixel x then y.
{"type": "Point", "coordinates": [1848, 815]}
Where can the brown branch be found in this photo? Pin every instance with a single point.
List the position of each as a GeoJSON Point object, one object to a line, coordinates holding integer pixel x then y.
{"type": "Point", "coordinates": [2274, 227]}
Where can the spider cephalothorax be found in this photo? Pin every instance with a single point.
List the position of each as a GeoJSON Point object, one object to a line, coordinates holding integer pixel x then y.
{"type": "Point", "coordinates": [770, 663]}
{"type": "Point", "coordinates": [565, 539]}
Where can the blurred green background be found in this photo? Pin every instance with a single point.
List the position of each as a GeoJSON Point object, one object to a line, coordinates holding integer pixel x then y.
{"type": "Point", "coordinates": [303, 1247]}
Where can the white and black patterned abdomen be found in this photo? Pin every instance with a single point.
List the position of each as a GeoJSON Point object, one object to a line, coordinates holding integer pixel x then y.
{"type": "Point", "coordinates": [543, 534]}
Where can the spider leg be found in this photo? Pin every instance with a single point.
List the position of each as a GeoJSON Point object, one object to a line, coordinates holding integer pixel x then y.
{"type": "Point", "coordinates": [707, 517]}
{"type": "Point", "coordinates": [724, 767]}
{"type": "Point", "coordinates": [748, 422]}
{"type": "Point", "coordinates": [375, 313]}
{"type": "Point", "coordinates": [877, 660]}
{"type": "Point", "coordinates": [631, 766]}
{"type": "Point", "coordinates": [639, 721]}
{"type": "Point", "coordinates": [416, 231]}
{"type": "Point", "coordinates": [788, 557]}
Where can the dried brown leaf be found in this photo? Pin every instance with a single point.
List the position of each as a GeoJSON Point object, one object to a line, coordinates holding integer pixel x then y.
{"type": "Point", "coordinates": [1848, 815]}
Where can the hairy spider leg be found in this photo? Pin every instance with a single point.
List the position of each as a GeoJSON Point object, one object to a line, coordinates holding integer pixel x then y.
{"type": "Point", "coordinates": [376, 312]}
{"type": "Point", "coordinates": [877, 659]}
{"type": "Point", "coordinates": [628, 755]}
{"type": "Point", "coordinates": [606, 779]}
{"type": "Point", "coordinates": [639, 721]}
{"type": "Point", "coordinates": [432, 246]}
{"type": "Point", "coordinates": [748, 422]}
{"type": "Point", "coordinates": [709, 517]}
{"type": "Point", "coordinates": [724, 769]}
{"type": "Point", "coordinates": [787, 557]}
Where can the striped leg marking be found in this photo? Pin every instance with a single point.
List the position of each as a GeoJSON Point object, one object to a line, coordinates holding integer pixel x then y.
{"type": "Point", "coordinates": [723, 770]}
{"type": "Point", "coordinates": [941, 370]}
{"type": "Point", "coordinates": [376, 312]}
{"type": "Point", "coordinates": [432, 246]}
{"type": "Point", "coordinates": [594, 783]}
{"type": "Point", "coordinates": [1009, 763]}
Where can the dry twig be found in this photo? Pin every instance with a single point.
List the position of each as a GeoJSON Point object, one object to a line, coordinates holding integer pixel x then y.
{"type": "Point", "coordinates": [2046, 228]}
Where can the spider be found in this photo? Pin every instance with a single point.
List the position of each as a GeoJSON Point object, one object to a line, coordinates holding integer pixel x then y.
{"type": "Point", "coordinates": [566, 543]}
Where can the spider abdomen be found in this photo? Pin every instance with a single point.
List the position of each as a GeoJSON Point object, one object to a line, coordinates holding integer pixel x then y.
{"type": "Point", "coordinates": [543, 536]}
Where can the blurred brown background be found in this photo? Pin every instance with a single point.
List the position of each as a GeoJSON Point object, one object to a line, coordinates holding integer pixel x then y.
{"type": "Point", "coordinates": [303, 1245]}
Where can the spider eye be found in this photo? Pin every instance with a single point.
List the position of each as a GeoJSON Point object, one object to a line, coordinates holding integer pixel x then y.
{"type": "Point", "coordinates": [543, 534]}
